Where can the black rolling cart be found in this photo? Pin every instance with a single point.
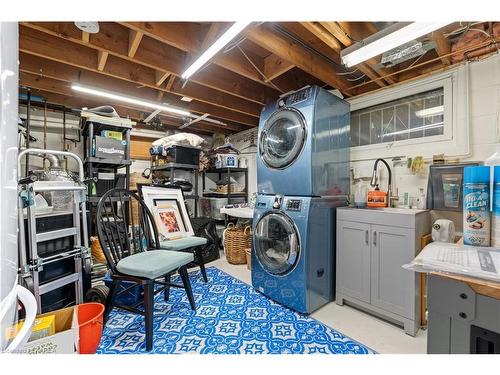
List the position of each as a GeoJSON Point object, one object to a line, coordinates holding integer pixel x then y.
{"type": "Point", "coordinates": [106, 145]}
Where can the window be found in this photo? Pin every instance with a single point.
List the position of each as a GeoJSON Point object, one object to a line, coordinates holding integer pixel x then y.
{"type": "Point", "coordinates": [414, 116]}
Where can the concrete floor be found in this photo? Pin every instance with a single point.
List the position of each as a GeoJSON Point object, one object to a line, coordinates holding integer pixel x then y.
{"type": "Point", "coordinates": [376, 333]}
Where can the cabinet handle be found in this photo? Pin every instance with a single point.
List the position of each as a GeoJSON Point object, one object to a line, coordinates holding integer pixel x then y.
{"type": "Point", "coordinates": [366, 237]}
{"type": "Point", "coordinates": [374, 238]}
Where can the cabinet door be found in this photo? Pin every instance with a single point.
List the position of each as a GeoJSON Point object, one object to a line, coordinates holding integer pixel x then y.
{"type": "Point", "coordinates": [392, 287]}
{"type": "Point", "coordinates": [353, 259]}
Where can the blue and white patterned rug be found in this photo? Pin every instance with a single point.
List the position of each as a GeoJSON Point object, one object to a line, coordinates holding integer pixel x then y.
{"type": "Point", "coordinates": [231, 318]}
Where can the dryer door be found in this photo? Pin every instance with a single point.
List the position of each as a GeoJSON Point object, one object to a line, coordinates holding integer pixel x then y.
{"type": "Point", "coordinates": [276, 243]}
{"type": "Point", "coordinates": [282, 138]}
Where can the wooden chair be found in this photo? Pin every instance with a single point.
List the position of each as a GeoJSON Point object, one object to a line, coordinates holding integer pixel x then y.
{"type": "Point", "coordinates": [138, 258]}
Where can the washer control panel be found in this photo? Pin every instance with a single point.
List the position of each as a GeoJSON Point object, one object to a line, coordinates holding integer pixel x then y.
{"type": "Point", "coordinates": [293, 205]}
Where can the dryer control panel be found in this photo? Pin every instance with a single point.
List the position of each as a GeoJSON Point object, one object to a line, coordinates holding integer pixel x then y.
{"type": "Point", "coordinates": [293, 205]}
{"type": "Point", "coordinates": [299, 96]}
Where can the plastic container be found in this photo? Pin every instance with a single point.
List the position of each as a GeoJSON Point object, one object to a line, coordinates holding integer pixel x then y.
{"type": "Point", "coordinates": [495, 215]}
{"type": "Point", "coordinates": [360, 193]}
{"type": "Point", "coordinates": [476, 213]}
{"type": "Point", "coordinates": [130, 297]}
{"type": "Point", "coordinates": [90, 322]}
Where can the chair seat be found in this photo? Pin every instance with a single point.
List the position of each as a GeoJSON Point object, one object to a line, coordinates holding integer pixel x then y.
{"type": "Point", "coordinates": [153, 264]}
{"type": "Point", "coordinates": [183, 243]}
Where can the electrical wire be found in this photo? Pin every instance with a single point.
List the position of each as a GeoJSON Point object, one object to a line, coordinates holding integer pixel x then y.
{"type": "Point", "coordinates": [356, 79]}
{"type": "Point", "coordinates": [418, 59]}
{"type": "Point", "coordinates": [259, 71]}
{"type": "Point", "coordinates": [347, 73]}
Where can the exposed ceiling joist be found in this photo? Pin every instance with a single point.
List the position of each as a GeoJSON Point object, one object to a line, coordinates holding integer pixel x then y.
{"type": "Point", "coordinates": [326, 37]}
{"type": "Point", "coordinates": [134, 114]}
{"type": "Point", "coordinates": [160, 77]}
{"type": "Point", "coordinates": [232, 60]}
{"type": "Point", "coordinates": [306, 60]}
{"type": "Point", "coordinates": [275, 66]}
{"type": "Point", "coordinates": [102, 57]}
{"type": "Point", "coordinates": [134, 40]}
{"type": "Point", "coordinates": [69, 76]}
{"type": "Point", "coordinates": [170, 82]}
{"type": "Point", "coordinates": [62, 51]}
{"type": "Point", "coordinates": [442, 46]}
{"type": "Point", "coordinates": [113, 38]}
{"type": "Point", "coordinates": [85, 37]}
{"type": "Point", "coordinates": [152, 115]}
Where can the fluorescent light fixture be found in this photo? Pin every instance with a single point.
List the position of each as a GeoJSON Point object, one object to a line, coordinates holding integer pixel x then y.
{"type": "Point", "coordinates": [434, 111]}
{"type": "Point", "coordinates": [387, 39]}
{"type": "Point", "coordinates": [186, 99]}
{"type": "Point", "coordinates": [128, 99]}
{"type": "Point", "coordinates": [224, 39]}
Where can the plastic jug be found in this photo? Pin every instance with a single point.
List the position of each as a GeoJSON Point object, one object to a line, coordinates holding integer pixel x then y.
{"type": "Point", "coordinates": [360, 193]}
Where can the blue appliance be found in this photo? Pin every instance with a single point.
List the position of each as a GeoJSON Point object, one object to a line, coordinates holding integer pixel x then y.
{"type": "Point", "coordinates": [293, 250]}
{"type": "Point", "coordinates": [303, 146]}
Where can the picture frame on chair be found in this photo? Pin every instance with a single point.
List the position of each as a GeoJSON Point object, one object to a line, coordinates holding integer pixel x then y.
{"type": "Point", "coordinates": [169, 211]}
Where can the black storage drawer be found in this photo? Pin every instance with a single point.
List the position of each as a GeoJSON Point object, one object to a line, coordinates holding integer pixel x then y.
{"type": "Point", "coordinates": [109, 148]}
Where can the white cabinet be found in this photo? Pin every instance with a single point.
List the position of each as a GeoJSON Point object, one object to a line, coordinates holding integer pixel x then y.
{"type": "Point", "coordinates": [372, 245]}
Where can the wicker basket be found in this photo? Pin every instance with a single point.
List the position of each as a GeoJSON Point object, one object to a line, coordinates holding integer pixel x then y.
{"type": "Point", "coordinates": [96, 250]}
{"type": "Point", "coordinates": [236, 240]}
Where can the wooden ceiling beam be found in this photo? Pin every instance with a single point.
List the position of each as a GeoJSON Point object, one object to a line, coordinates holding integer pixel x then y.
{"type": "Point", "coordinates": [326, 37]}
{"type": "Point", "coordinates": [61, 88]}
{"type": "Point", "coordinates": [275, 66]}
{"type": "Point", "coordinates": [306, 60]}
{"type": "Point", "coordinates": [170, 83]}
{"type": "Point", "coordinates": [62, 73]}
{"type": "Point", "coordinates": [102, 57]}
{"type": "Point", "coordinates": [49, 47]}
{"type": "Point", "coordinates": [443, 46]}
{"type": "Point", "coordinates": [232, 60]}
{"type": "Point", "coordinates": [343, 37]}
{"type": "Point", "coordinates": [113, 38]}
{"type": "Point", "coordinates": [85, 37]}
{"type": "Point", "coordinates": [134, 40]}
{"type": "Point", "coordinates": [161, 77]}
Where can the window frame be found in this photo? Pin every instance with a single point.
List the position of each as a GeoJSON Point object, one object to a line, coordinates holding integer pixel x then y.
{"type": "Point", "coordinates": [452, 138]}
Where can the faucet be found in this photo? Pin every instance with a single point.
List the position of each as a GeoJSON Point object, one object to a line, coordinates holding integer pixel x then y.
{"type": "Point", "coordinates": [373, 181]}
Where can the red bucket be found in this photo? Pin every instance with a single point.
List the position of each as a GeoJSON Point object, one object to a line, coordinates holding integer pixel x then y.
{"type": "Point", "coordinates": [90, 321]}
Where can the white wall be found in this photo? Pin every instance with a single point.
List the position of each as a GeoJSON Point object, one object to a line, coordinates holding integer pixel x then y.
{"type": "Point", "coordinates": [484, 112]}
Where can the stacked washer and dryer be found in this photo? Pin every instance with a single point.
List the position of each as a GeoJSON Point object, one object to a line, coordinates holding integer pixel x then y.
{"type": "Point", "coordinates": [302, 177]}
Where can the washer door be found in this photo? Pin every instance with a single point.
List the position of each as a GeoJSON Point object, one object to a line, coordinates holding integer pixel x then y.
{"type": "Point", "coordinates": [282, 138]}
{"type": "Point", "coordinates": [276, 243]}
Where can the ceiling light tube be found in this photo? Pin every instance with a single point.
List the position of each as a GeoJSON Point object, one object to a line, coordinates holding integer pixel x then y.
{"type": "Point", "coordinates": [128, 99]}
{"type": "Point", "coordinates": [387, 39]}
{"type": "Point", "coordinates": [220, 43]}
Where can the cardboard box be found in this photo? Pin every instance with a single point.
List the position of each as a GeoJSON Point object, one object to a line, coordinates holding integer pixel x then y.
{"type": "Point", "coordinates": [43, 327]}
{"type": "Point", "coordinates": [112, 134]}
{"type": "Point", "coordinates": [66, 337]}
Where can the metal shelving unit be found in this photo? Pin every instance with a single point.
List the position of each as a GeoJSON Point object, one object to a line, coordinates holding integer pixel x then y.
{"type": "Point", "coordinates": [170, 168]}
{"type": "Point", "coordinates": [91, 126]}
{"type": "Point", "coordinates": [229, 195]}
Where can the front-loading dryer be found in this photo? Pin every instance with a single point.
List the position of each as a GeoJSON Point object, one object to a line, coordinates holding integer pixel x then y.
{"type": "Point", "coordinates": [303, 145]}
{"type": "Point", "coordinates": [293, 250]}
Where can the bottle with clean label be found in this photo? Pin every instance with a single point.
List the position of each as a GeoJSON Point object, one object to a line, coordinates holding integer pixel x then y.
{"type": "Point", "coordinates": [476, 200]}
{"type": "Point", "coordinates": [495, 217]}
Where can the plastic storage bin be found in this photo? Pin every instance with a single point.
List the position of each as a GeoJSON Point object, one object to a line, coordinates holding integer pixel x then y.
{"type": "Point", "coordinates": [131, 297]}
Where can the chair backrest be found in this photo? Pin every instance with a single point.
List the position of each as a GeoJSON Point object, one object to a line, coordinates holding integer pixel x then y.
{"type": "Point", "coordinates": [118, 210]}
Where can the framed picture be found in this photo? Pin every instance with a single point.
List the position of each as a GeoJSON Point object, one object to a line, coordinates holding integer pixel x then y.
{"type": "Point", "coordinates": [169, 211]}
